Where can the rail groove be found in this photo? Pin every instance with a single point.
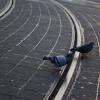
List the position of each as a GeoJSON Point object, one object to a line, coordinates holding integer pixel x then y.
{"type": "Point", "coordinates": [7, 8]}
{"type": "Point", "coordinates": [70, 71]}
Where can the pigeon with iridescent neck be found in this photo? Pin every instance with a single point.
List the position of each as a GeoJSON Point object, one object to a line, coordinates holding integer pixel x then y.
{"type": "Point", "coordinates": [86, 48]}
{"type": "Point", "coordinates": [60, 60]}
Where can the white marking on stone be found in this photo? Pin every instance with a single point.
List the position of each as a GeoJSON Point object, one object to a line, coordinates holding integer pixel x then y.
{"type": "Point", "coordinates": [93, 30]}
{"type": "Point", "coordinates": [84, 78]}
{"type": "Point", "coordinates": [30, 50]}
{"type": "Point", "coordinates": [12, 21]}
{"type": "Point", "coordinates": [10, 35]}
{"type": "Point", "coordinates": [39, 67]}
{"type": "Point", "coordinates": [31, 31]}
{"type": "Point", "coordinates": [20, 61]}
{"type": "Point", "coordinates": [98, 86]}
{"type": "Point", "coordinates": [82, 87]}
{"type": "Point", "coordinates": [90, 83]}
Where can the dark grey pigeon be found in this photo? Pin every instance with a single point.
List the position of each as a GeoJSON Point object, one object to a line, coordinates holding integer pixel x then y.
{"type": "Point", "coordinates": [86, 48]}
{"type": "Point", "coordinates": [60, 60]}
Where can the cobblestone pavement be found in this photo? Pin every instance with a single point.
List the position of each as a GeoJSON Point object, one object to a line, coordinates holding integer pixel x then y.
{"type": "Point", "coordinates": [32, 30]}
{"type": "Point", "coordinates": [87, 85]}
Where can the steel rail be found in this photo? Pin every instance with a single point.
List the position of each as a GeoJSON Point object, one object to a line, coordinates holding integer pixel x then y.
{"type": "Point", "coordinates": [7, 8]}
{"type": "Point", "coordinates": [70, 72]}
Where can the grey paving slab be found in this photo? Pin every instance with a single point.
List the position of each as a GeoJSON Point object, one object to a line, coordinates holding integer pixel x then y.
{"type": "Point", "coordinates": [12, 15]}
{"type": "Point", "coordinates": [42, 81]}
{"type": "Point", "coordinates": [31, 31]}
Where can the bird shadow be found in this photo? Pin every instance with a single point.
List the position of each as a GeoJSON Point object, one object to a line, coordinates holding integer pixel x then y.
{"type": "Point", "coordinates": [83, 56]}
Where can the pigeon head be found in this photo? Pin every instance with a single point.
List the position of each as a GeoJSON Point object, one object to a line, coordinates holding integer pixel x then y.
{"type": "Point", "coordinates": [69, 54]}
{"type": "Point", "coordinates": [92, 43]}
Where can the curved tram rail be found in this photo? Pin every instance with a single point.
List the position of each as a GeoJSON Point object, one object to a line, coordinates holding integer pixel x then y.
{"type": "Point", "coordinates": [69, 74]}
{"type": "Point", "coordinates": [7, 9]}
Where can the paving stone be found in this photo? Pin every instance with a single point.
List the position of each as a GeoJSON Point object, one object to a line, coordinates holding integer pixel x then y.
{"type": "Point", "coordinates": [20, 98]}
{"type": "Point", "coordinates": [31, 78]}
{"type": "Point", "coordinates": [82, 93]}
{"type": "Point", "coordinates": [7, 97]}
{"type": "Point", "coordinates": [79, 98]}
{"type": "Point", "coordinates": [30, 95]}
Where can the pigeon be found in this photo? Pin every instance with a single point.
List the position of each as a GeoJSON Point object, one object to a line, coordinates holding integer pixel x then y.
{"type": "Point", "coordinates": [60, 60]}
{"type": "Point", "coordinates": [86, 48]}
